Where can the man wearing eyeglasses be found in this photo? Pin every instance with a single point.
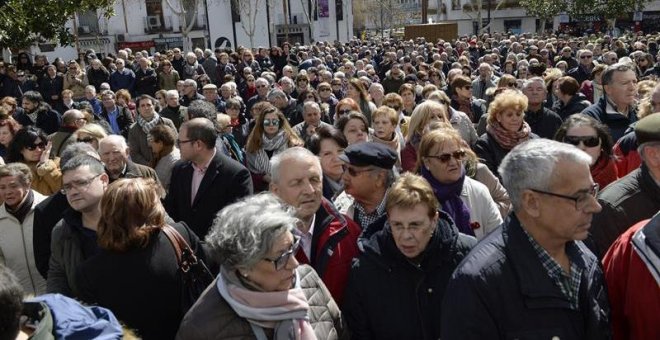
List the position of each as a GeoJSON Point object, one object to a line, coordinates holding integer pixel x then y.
{"type": "Point", "coordinates": [368, 174]}
{"type": "Point", "coordinates": [74, 238]}
{"type": "Point", "coordinates": [533, 277]}
{"type": "Point", "coordinates": [189, 93]}
{"type": "Point", "coordinates": [635, 197]}
{"type": "Point", "coordinates": [263, 86]}
{"type": "Point", "coordinates": [206, 180]}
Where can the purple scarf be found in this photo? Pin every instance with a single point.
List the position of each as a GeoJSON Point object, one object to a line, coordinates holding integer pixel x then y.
{"type": "Point", "coordinates": [449, 196]}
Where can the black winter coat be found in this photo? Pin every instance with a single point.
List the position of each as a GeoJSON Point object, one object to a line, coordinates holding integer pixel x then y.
{"type": "Point", "coordinates": [491, 153]}
{"type": "Point", "coordinates": [48, 119]}
{"type": "Point", "coordinates": [502, 291]}
{"type": "Point", "coordinates": [141, 286]}
{"type": "Point", "coordinates": [50, 87]}
{"type": "Point", "coordinates": [576, 105]}
{"type": "Point", "coordinates": [98, 77]}
{"type": "Point", "coordinates": [543, 123]}
{"type": "Point", "coordinates": [389, 297]}
{"type": "Point", "coordinates": [629, 200]}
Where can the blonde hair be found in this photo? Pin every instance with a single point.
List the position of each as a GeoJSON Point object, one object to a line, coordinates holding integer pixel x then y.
{"type": "Point", "coordinates": [94, 130]}
{"type": "Point", "coordinates": [386, 112]}
{"type": "Point", "coordinates": [422, 115]}
{"type": "Point", "coordinates": [506, 100]}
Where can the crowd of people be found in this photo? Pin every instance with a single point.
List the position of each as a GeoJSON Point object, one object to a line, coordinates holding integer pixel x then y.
{"type": "Point", "coordinates": [490, 187]}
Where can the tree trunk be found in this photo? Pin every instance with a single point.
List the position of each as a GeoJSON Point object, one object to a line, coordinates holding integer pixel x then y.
{"type": "Point", "coordinates": [541, 28]}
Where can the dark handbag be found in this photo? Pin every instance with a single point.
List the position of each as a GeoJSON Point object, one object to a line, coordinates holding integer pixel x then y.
{"type": "Point", "coordinates": [195, 276]}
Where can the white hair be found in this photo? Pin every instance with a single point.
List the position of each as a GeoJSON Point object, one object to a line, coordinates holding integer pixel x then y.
{"type": "Point", "coordinates": [531, 165]}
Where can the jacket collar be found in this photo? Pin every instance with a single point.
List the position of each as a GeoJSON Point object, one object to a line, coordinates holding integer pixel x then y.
{"type": "Point", "coordinates": [535, 284]}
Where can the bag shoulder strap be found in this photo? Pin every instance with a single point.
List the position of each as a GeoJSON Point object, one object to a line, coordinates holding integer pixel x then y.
{"type": "Point", "coordinates": [185, 256]}
{"type": "Point", "coordinates": [171, 235]}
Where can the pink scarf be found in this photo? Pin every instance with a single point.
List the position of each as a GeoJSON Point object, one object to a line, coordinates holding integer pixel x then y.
{"type": "Point", "coordinates": [286, 311]}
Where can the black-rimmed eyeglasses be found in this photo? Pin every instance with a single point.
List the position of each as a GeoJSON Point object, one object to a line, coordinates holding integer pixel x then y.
{"type": "Point", "coordinates": [582, 200]}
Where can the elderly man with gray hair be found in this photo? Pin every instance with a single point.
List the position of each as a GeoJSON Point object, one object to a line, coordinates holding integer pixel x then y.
{"type": "Point", "coordinates": [174, 111]}
{"type": "Point", "coordinates": [262, 288]}
{"type": "Point", "coordinates": [543, 121]}
{"type": "Point", "coordinates": [328, 238]}
{"type": "Point", "coordinates": [288, 106]}
{"type": "Point", "coordinates": [189, 93]}
{"type": "Point", "coordinates": [533, 277]}
{"type": "Point", "coordinates": [311, 121]}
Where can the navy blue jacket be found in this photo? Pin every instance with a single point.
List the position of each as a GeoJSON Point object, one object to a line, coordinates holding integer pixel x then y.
{"type": "Point", "coordinates": [617, 123]}
{"type": "Point", "coordinates": [502, 291]}
{"type": "Point", "coordinates": [124, 80]}
{"type": "Point", "coordinates": [390, 297]}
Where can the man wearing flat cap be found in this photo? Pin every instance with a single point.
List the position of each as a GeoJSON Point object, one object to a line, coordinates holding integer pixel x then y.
{"type": "Point", "coordinates": [368, 174]}
{"type": "Point", "coordinates": [636, 196]}
{"type": "Point", "coordinates": [210, 92]}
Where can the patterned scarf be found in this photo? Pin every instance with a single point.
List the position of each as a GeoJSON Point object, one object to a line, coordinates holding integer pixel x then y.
{"type": "Point", "coordinates": [190, 69]}
{"type": "Point", "coordinates": [507, 139]}
{"type": "Point", "coordinates": [147, 126]}
{"type": "Point", "coordinates": [258, 162]}
{"type": "Point", "coordinates": [286, 312]}
{"type": "Point", "coordinates": [449, 196]}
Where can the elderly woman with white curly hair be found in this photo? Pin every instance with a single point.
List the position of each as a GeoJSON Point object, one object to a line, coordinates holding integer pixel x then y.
{"type": "Point", "coordinates": [261, 292]}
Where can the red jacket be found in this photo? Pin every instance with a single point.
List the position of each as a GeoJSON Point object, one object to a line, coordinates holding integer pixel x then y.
{"type": "Point", "coordinates": [634, 293]}
{"type": "Point", "coordinates": [625, 154]}
{"type": "Point", "coordinates": [334, 245]}
{"type": "Point", "coordinates": [409, 157]}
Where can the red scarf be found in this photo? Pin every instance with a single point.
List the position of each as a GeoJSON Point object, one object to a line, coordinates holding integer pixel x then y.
{"type": "Point", "coordinates": [507, 139]}
{"type": "Point", "coordinates": [604, 171]}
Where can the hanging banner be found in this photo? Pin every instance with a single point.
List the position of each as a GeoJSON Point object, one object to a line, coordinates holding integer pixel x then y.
{"type": "Point", "coordinates": [324, 9]}
{"type": "Point", "coordinates": [324, 18]}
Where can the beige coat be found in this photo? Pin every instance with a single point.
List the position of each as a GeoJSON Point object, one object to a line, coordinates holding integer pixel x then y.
{"type": "Point", "coordinates": [16, 251]}
{"type": "Point", "coordinates": [213, 318]}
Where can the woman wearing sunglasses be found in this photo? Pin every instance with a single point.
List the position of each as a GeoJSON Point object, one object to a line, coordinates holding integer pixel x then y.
{"type": "Point", "coordinates": [593, 138]}
{"type": "Point", "coordinates": [441, 161]}
{"type": "Point", "coordinates": [271, 135]}
{"type": "Point", "coordinates": [31, 147]}
{"type": "Point", "coordinates": [261, 292]}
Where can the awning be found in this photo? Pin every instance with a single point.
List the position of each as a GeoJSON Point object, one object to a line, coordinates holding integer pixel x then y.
{"type": "Point", "coordinates": [137, 44]}
{"type": "Point", "coordinates": [93, 42]}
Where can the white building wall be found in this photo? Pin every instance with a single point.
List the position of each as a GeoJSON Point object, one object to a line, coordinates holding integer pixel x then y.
{"type": "Point", "coordinates": [220, 25]}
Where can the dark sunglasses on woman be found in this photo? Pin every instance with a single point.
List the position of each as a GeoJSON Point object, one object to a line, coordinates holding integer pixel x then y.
{"type": "Point", "coordinates": [588, 141]}
{"type": "Point", "coordinates": [445, 157]}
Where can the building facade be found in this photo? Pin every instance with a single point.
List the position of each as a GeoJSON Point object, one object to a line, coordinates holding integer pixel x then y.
{"type": "Point", "coordinates": [506, 16]}
{"type": "Point", "coordinates": [156, 25]}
